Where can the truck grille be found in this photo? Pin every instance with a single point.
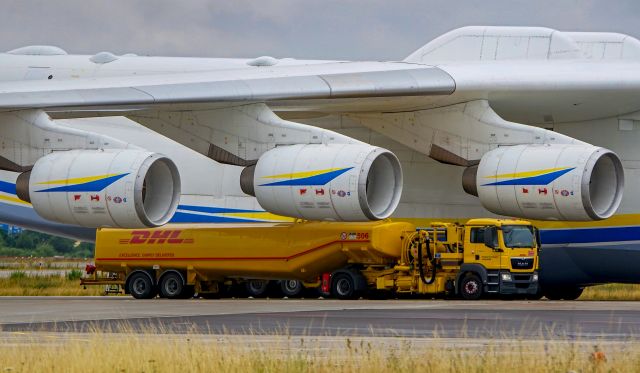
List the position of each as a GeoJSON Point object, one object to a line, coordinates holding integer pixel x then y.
{"type": "Point", "coordinates": [522, 263]}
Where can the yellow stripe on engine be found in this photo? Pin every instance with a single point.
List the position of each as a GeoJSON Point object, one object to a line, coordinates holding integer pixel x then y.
{"type": "Point", "coordinates": [297, 175]}
{"type": "Point", "coordinates": [526, 173]}
{"type": "Point", "coordinates": [78, 180]}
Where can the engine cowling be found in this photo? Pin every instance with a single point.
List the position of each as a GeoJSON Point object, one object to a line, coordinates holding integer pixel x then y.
{"type": "Point", "coordinates": [548, 182]}
{"type": "Point", "coordinates": [338, 182]}
{"type": "Point", "coordinates": [112, 188]}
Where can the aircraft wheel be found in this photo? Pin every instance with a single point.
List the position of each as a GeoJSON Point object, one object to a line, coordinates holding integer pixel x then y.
{"type": "Point", "coordinates": [566, 293]}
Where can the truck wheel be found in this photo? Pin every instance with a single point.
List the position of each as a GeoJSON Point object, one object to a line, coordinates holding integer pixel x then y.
{"type": "Point", "coordinates": [471, 287]}
{"type": "Point", "coordinates": [171, 286]}
{"type": "Point", "coordinates": [343, 286]}
{"type": "Point", "coordinates": [141, 286]}
{"type": "Point", "coordinates": [257, 288]}
{"type": "Point", "coordinates": [291, 288]}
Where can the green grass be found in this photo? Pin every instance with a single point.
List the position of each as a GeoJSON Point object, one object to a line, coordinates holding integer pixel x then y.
{"type": "Point", "coordinates": [19, 283]}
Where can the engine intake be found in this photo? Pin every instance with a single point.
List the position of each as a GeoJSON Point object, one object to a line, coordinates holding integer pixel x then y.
{"type": "Point", "coordinates": [338, 182]}
{"type": "Point", "coordinates": [548, 182]}
{"type": "Point", "coordinates": [113, 188]}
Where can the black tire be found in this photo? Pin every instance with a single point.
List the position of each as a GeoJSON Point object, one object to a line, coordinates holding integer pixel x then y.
{"type": "Point", "coordinates": [257, 288]}
{"type": "Point", "coordinates": [566, 293]}
{"type": "Point", "coordinates": [471, 287]}
{"type": "Point", "coordinates": [343, 286]}
{"type": "Point", "coordinates": [553, 295]}
{"type": "Point", "coordinates": [291, 288]}
{"type": "Point", "coordinates": [188, 292]}
{"type": "Point", "coordinates": [171, 286]}
{"type": "Point", "coordinates": [572, 293]}
{"type": "Point", "coordinates": [536, 296]}
{"type": "Point", "coordinates": [140, 286]}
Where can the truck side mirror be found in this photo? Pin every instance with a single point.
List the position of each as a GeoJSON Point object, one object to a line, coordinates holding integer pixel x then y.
{"type": "Point", "coordinates": [490, 235]}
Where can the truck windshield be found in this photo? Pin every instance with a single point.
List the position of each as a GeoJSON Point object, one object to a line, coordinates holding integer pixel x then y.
{"type": "Point", "coordinates": [518, 236]}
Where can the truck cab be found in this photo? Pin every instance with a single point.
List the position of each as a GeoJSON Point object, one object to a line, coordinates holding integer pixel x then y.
{"type": "Point", "coordinates": [499, 257]}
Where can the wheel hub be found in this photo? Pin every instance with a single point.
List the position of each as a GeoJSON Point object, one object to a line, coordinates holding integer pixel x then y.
{"type": "Point", "coordinates": [471, 287]}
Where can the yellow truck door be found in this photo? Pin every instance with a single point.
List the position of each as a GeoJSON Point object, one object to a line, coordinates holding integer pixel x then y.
{"type": "Point", "coordinates": [477, 252]}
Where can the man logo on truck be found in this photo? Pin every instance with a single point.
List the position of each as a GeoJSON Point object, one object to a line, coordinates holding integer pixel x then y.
{"type": "Point", "coordinates": [169, 236]}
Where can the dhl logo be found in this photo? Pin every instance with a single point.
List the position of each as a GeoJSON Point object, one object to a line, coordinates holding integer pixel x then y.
{"type": "Point", "coordinates": [170, 236]}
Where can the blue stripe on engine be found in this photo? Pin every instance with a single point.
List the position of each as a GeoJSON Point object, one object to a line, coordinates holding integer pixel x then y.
{"type": "Point", "coordinates": [586, 235]}
{"type": "Point", "coordinates": [92, 186]}
{"type": "Point", "coordinates": [533, 180]}
{"type": "Point", "coordinates": [321, 179]}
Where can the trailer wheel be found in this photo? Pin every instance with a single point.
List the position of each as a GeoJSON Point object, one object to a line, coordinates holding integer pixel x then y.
{"type": "Point", "coordinates": [291, 288]}
{"type": "Point", "coordinates": [171, 286]}
{"type": "Point", "coordinates": [188, 292]}
{"type": "Point", "coordinates": [140, 286]}
{"type": "Point", "coordinates": [257, 288]}
{"type": "Point", "coordinates": [343, 286]}
{"type": "Point", "coordinates": [471, 287]}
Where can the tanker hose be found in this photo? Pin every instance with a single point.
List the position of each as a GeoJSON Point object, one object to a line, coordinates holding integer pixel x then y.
{"type": "Point", "coordinates": [420, 264]}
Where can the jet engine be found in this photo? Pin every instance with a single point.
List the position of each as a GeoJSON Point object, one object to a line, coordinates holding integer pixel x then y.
{"type": "Point", "coordinates": [548, 182]}
{"type": "Point", "coordinates": [337, 182]}
{"type": "Point", "coordinates": [113, 188]}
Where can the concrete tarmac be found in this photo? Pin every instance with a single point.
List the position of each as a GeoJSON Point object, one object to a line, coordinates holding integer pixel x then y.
{"type": "Point", "coordinates": [612, 321]}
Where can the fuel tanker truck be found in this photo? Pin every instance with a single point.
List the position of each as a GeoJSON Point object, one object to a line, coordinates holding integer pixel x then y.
{"type": "Point", "coordinates": [476, 259]}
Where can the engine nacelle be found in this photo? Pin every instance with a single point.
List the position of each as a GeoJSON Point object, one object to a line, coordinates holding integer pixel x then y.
{"type": "Point", "coordinates": [338, 182]}
{"type": "Point", "coordinates": [548, 182]}
{"type": "Point", "coordinates": [112, 188]}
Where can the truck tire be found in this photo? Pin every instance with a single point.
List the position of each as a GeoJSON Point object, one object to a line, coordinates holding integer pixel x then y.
{"type": "Point", "coordinates": [171, 286]}
{"type": "Point", "coordinates": [257, 288]}
{"type": "Point", "coordinates": [140, 286]}
{"type": "Point", "coordinates": [343, 286]}
{"type": "Point", "coordinates": [291, 288]}
{"type": "Point", "coordinates": [471, 287]}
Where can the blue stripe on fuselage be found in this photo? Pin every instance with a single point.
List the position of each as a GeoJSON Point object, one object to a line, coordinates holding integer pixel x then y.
{"type": "Point", "coordinates": [181, 217]}
{"type": "Point", "coordinates": [587, 235]}
{"type": "Point", "coordinates": [6, 187]}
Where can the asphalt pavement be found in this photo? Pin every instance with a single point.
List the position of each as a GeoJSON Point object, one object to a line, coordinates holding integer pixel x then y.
{"type": "Point", "coordinates": [468, 320]}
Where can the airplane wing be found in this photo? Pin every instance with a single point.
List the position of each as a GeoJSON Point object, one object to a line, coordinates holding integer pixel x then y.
{"type": "Point", "coordinates": [347, 80]}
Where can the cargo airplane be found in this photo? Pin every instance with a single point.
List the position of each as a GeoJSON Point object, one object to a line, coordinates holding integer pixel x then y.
{"type": "Point", "coordinates": [522, 122]}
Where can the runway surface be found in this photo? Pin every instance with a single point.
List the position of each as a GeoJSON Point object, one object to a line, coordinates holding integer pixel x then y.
{"type": "Point", "coordinates": [613, 321]}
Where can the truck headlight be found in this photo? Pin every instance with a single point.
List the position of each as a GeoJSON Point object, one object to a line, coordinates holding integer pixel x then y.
{"type": "Point", "coordinates": [506, 277]}
{"type": "Point", "coordinates": [534, 278]}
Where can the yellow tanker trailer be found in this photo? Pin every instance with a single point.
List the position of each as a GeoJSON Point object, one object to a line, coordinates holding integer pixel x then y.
{"type": "Point", "coordinates": [177, 260]}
